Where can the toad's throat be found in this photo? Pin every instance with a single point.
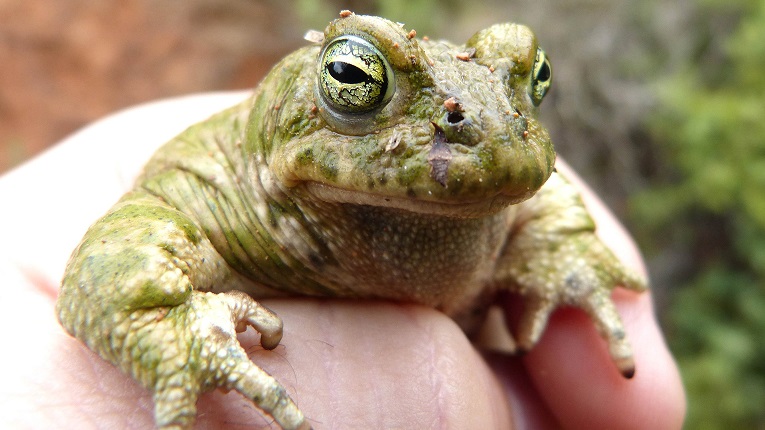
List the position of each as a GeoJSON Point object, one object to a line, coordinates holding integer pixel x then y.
{"type": "Point", "coordinates": [463, 209]}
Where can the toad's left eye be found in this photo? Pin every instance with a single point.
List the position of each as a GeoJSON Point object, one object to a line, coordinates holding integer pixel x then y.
{"type": "Point", "coordinates": [541, 77]}
{"type": "Point", "coordinates": [354, 76]}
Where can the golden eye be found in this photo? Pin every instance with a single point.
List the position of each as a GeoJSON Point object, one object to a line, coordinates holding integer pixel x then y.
{"type": "Point", "coordinates": [541, 77]}
{"type": "Point", "coordinates": [354, 76]}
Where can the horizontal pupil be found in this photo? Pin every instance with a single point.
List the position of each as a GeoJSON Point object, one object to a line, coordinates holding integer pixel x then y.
{"type": "Point", "coordinates": [346, 73]}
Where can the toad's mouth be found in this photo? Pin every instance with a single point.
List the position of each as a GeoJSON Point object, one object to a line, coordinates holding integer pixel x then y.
{"type": "Point", "coordinates": [463, 209]}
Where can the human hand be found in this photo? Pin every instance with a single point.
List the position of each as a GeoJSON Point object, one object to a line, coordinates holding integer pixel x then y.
{"type": "Point", "coordinates": [347, 364]}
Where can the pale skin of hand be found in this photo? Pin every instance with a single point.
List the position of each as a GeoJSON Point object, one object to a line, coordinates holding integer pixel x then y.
{"type": "Point", "coordinates": [346, 364]}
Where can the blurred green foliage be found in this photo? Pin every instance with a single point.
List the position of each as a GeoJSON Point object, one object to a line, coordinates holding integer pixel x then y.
{"type": "Point", "coordinates": [708, 197]}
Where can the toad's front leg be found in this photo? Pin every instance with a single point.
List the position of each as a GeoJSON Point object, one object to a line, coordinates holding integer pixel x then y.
{"type": "Point", "coordinates": [134, 293]}
{"type": "Point", "coordinates": [553, 258]}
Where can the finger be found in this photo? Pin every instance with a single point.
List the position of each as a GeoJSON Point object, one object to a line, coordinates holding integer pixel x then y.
{"type": "Point", "coordinates": [572, 371]}
{"type": "Point", "coordinates": [528, 408]}
{"type": "Point", "coordinates": [373, 365]}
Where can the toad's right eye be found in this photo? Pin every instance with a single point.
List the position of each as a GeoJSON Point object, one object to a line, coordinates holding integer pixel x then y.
{"type": "Point", "coordinates": [354, 76]}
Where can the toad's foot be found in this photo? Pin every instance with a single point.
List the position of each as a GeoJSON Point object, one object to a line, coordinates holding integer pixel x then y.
{"type": "Point", "coordinates": [191, 348]}
{"type": "Point", "coordinates": [579, 272]}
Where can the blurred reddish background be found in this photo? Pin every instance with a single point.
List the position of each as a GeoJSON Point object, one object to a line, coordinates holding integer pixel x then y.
{"type": "Point", "coordinates": [66, 63]}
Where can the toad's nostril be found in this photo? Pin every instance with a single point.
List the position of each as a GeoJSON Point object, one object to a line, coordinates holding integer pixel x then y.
{"type": "Point", "coordinates": [454, 118]}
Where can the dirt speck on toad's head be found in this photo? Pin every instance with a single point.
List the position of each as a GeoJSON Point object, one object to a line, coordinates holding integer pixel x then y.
{"type": "Point", "coordinates": [452, 105]}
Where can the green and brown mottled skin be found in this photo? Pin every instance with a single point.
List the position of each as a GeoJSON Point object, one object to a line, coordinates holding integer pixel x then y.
{"type": "Point", "coordinates": [286, 195]}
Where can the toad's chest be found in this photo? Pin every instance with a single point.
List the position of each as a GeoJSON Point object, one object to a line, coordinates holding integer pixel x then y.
{"type": "Point", "coordinates": [438, 261]}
